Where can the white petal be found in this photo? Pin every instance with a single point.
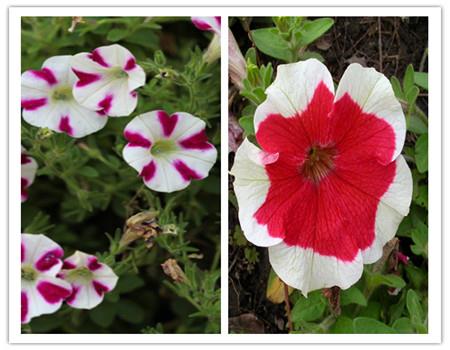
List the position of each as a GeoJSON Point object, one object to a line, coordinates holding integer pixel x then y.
{"type": "Point", "coordinates": [373, 92]}
{"type": "Point", "coordinates": [137, 157]}
{"type": "Point", "coordinates": [36, 247]}
{"type": "Point", "coordinates": [29, 169]}
{"type": "Point", "coordinates": [207, 23]}
{"type": "Point", "coordinates": [293, 89]}
{"type": "Point", "coordinates": [38, 302]}
{"type": "Point", "coordinates": [393, 207]}
{"type": "Point", "coordinates": [307, 271]}
{"type": "Point", "coordinates": [121, 100]}
{"type": "Point", "coordinates": [251, 185]}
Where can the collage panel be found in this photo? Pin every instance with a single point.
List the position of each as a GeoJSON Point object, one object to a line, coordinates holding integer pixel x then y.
{"type": "Point", "coordinates": [120, 184]}
{"type": "Point", "coordinates": [328, 185]}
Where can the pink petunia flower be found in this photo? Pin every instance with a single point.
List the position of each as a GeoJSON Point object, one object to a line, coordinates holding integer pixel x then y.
{"type": "Point", "coordinates": [329, 187]}
{"type": "Point", "coordinates": [47, 100]}
{"type": "Point", "coordinates": [107, 80]}
{"type": "Point", "coordinates": [168, 151]}
{"type": "Point", "coordinates": [207, 23]}
{"type": "Point", "coordinates": [42, 292]}
{"type": "Point", "coordinates": [29, 168]}
{"type": "Point", "coordinates": [89, 278]}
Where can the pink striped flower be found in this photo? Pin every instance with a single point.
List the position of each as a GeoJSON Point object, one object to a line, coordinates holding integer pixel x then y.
{"type": "Point", "coordinates": [89, 278]}
{"type": "Point", "coordinates": [107, 80]}
{"type": "Point", "coordinates": [168, 151]}
{"type": "Point", "coordinates": [42, 291]}
{"type": "Point", "coordinates": [330, 186]}
{"type": "Point", "coordinates": [29, 168]}
{"type": "Point", "coordinates": [207, 23]}
{"type": "Point", "coordinates": [47, 100]}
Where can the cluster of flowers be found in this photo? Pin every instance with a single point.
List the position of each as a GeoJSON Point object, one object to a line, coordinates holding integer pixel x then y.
{"type": "Point", "coordinates": [47, 281]}
{"type": "Point", "coordinates": [75, 95]}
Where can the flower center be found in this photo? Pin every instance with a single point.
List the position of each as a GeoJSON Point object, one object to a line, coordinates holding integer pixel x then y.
{"type": "Point", "coordinates": [29, 273]}
{"type": "Point", "coordinates": [62, 93]}
{"type": "Point", "coordinates": [79, 274]}
{"type": "Point", "coordinates": [162, 147]}
{"type": "Point", "coordinates": [118, 73]}
{"type": "Point", "coordinates": [319, 162]}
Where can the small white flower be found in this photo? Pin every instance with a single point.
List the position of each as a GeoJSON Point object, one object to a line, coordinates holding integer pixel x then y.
{"type": "Point", "coordinates": [89, 278]}
{"type": "Point", "coordinates": [168, 151]}
{"type": "Point", "coordinates": [47, 100]}
{"type": "Point", "coordinates": [42, 292]}
{"type": "Point", "coordinates": [107, 79]}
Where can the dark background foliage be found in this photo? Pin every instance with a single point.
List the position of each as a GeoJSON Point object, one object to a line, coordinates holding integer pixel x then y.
{"type": "Point", "coordinates": [84, 191]}
{"type": "Point", "coordinates": [391, 297]}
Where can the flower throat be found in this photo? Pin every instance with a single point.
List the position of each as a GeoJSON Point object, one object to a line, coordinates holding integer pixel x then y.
{"type": "Point", "coordinates": [318, 163]}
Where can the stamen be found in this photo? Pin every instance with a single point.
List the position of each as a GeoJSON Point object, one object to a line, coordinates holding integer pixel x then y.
{"type": "Point", "coordinates": [28, 273]}
{"type": "Point", "coordinates": [163, 147]}
{"type": "Point", "coordinates": [319, 162]}
{"type": "Point", "coordinates": [62, 93]}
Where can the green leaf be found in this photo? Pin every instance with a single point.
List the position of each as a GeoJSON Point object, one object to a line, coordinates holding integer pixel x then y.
{"type": "Point", "coordinates": [396, 86]}
{"type": "Point", "coordinates": [116, 34]}
{"type": "Point", "coordinates": [422, 196]}
{"type": "Point", "coordinates": [421, 152]}
{"type": "Point", "coordinates": [309, 309]}
{"type": "Point", "coordinates": [365, 325]}
{"type": "Point", "coordinates": [313, 30]}
{"type": "Point", "coordinates": [408, 79]}
{"type": "Point", "coordinates": [421, 79]}
{"type": "Point", "coordinates": [415, 310]}
{"type": "Point", "coordinates": [403, 325]}
{"type": "Point", "coordinates": [88, 171]}
{"type": "Point", "coordinates": [268, 41]}
{"type": "Point", "coordinates": [129, 311]}
{"type": "Point", "coordinates": [129, 283]}
{"type": "Point", "coordinates": [247, 125]}
{"type": "Point", "coordinates": [416, 124]}
{"type": "Point", "coordinates": [378, 279]}
{"type": "Point", "coordinates": [419, 236]}
{"type": "Point", "coordinates": [411, 95]}
{"type": "Point", "coordinates": [104, 314]}
{"type": "Point", "coordinates": [353, 296]}
{"type": "Point", "coordinates": [343, 325]}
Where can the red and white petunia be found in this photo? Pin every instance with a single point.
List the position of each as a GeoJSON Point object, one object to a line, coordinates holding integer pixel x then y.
{"type": "Point", "coordinates": [207, 23]}
{"type": "Point", "coordinates": [107, 80]}
{"type": "Point", "coordinates": [89, 278]}
{"type": "Point", "coordinates": [47, 100]}
{"type": "Point", "coordinates": [29, 168]}
{"type": "Point", "coordinates": [168, 151]}
{"type": "Point", "coordinates": [329, 187]}
{"type": "Point", "coordinates": [42, 291]}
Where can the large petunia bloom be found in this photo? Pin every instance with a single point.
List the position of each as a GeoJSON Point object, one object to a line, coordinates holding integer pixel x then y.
{"type": "Point", "coordinates": [89, 278]}
{"type": "Point", "coordinates": [42, 292]}
{"type": "Point", "coordinates": [29, 168]}
{"type": "Point", "coordinates": [168, 151]}
{"type": "Point", "coordinates": [47, 100]}
{"type": "Point", "coordinates": [329, 187]}
{"type": "Point", "coordinates": [107, 80]}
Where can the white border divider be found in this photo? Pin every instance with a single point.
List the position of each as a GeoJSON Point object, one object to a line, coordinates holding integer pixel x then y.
{"type": "Point", "coordinates": [435, 167]}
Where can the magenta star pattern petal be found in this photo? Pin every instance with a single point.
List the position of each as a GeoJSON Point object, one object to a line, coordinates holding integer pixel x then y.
{"type": "Point", "coordinates": [329, 187]}
{"type": "Point", "coordinates": [29, 168]}
{"type": "Point", "coordinates": [89, 278]}
{"type": "Point", "coordinates": [107, 80]}
{"type": "Point", "coordinates": [168, 151]}
{"type": "Point", "coordinates": [48, 102]}
{"type": "Point", "coordinates": [42, 291]}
